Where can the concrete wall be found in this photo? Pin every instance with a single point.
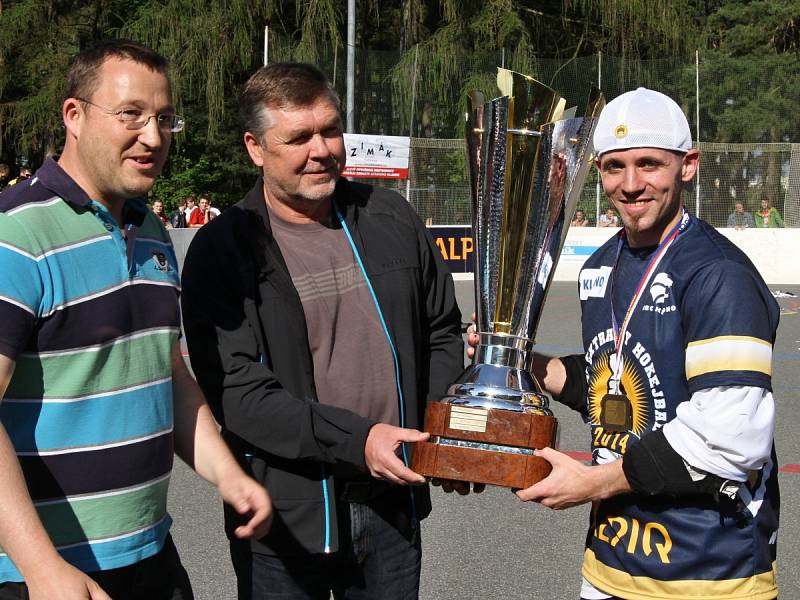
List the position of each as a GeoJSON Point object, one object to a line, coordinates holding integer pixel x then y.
{"type": "Point", "coordinates": [775, 252]}
{"type": "Point", "coordinates": [181, 238]}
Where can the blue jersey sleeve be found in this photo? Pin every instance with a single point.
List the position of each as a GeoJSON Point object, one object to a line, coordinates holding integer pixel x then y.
{"type": "Point", "coordinates": [729, 322]}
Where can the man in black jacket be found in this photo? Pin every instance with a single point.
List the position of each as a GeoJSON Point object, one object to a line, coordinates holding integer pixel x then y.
{"type": "Point", "coordinates": [320, 318]}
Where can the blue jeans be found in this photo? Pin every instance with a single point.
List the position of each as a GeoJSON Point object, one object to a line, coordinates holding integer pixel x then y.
{"type": "Point", "coordinates": [379, 557]}
{"type": "Point", "coordinates": [160, 577]}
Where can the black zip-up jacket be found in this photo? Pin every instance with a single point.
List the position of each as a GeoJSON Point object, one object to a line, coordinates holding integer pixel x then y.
{"type": "Point", "coordinates": [247, 339]}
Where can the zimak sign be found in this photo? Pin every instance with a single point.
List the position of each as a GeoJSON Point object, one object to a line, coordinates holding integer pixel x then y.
{"type": "Point", "coordinates": [376, 156]}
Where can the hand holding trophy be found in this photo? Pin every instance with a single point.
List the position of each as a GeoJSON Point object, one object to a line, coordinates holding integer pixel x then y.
{"type": "Point", "coordinates": [527, 168]}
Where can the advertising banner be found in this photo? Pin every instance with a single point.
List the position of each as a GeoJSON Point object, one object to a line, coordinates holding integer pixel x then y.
{"type": "Point", "coordinates": [455, 244]}
{"type": "Point", "coordinates": [376, 156]}
{"type": "Point", "coordinates": [457, 248]}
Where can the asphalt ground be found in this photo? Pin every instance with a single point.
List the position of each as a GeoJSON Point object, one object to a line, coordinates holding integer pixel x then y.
{"type": "Point", "coordinates": [492, 545]}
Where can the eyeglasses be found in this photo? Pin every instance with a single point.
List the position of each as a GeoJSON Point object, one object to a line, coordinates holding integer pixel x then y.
{"type": "Point", "coordinates": [133, 118]}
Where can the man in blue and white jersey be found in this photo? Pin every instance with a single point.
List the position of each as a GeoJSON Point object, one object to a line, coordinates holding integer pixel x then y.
{"type": "Point", "coordinates": [675, 381]}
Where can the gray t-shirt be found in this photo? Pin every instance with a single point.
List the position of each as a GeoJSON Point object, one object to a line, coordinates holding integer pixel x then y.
{"type": "Point", "coordinates": [353, 365]}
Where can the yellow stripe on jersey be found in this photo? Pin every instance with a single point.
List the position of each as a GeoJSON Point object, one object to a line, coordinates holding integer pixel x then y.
{"type": "Point", "coordinates": [762, 586]}
{"type": "Point", "coordinates": [728, 353]}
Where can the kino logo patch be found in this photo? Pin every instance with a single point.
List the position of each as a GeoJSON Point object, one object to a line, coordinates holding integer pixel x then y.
{"type": "Point", "coordinates": [593, 282]}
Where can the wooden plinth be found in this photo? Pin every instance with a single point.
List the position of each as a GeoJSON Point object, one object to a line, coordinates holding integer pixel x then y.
{"type": "Point", "coordinates": [490, 426]}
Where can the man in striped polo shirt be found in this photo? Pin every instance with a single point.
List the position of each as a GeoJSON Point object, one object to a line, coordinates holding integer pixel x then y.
{"type": "Point", "coordinates": [95, 393]}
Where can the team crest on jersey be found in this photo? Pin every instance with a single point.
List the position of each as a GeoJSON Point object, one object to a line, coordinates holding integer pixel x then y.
{"type": "Point", "coordinates": [661, 295]}
{"type": "Point", "coordinates": [661, 288]}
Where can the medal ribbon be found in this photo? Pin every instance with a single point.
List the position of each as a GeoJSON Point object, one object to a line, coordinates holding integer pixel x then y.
{"type": "Point", "coordinates": [619, 332]}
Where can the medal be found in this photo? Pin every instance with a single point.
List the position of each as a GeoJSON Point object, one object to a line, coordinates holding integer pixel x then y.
{"type": "Point", "coordinates": [616, 413]}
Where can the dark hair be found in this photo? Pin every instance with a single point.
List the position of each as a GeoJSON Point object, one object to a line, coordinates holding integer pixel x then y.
{"type": "Point", "coordinates": [279, 85]}
{"type": "Point", "coordinates": [82, 77]}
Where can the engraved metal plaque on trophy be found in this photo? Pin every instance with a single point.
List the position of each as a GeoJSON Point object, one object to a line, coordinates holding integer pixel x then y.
{"type": "Point", "coordinates": [527, 167]}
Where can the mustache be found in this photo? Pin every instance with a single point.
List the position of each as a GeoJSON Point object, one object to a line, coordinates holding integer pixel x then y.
{"type": "Point", "coordinates": [328, 164]}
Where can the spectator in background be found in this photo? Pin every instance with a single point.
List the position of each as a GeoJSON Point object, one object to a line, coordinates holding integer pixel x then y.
{"type": "Point", "coordinates": [580, 219]}
{"type": "Point", "coordinates": [191, 206]}
{"type": "Point", "coordinates": [158, 210]}
{"type": "Point", "coordinates": [739, 218]}
{"type": "Point", "coordinates": [207, 198]}
{"type": "Point", "coordinates": [26, 173]}
{"type": "Point", "coordinates": [768, 216]}
{"type": "Point", "coordinates": [5, 173]}
{"type": "Point", "coordinates": [608, 219]}
{"type": "Point", "coordinates": [201, 214]}
{"type": "Point", "coordinates": [177, 218]}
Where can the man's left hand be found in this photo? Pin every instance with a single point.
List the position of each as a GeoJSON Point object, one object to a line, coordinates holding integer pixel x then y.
{"type": "Point", "coordinates": [250, 499]}
{"type": "Point", "coordinates": [572, 483]}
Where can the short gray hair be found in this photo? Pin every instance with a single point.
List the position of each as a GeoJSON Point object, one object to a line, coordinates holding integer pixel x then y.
{"type": "Point", "coordinates": [280, 85]}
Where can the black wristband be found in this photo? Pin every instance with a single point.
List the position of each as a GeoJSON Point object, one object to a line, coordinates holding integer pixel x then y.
{"type": "Point", "coordinates": [652, 467]}
{"type": "Point", "coordinates": [575, 389]}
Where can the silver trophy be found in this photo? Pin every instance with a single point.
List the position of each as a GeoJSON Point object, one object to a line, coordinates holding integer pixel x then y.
{"type": "Point", "coordinates": [527, 167]}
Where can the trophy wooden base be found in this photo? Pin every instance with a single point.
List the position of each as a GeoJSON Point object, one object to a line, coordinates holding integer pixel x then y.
{"type": "Point", "coordinates": [484, 445]}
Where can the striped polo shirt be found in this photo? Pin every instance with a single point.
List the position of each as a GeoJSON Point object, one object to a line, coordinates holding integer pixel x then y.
{"type": "Point", "coordinates": [90, 314]}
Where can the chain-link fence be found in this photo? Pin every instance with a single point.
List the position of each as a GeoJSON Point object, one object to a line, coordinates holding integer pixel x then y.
{"type": "Point", "coordinates": [729, 173]}
{"type": "Point", "coordinates": [742, 113]}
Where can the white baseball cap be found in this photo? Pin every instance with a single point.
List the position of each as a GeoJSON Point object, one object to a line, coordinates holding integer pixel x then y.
{"type": "Point", "coordinates": [642, 118]}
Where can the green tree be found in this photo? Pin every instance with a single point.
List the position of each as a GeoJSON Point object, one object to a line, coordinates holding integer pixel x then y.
{"type": "Point", "coordinates": [751, 71]}
{"type": "Point", "coordinates": [37, 39]}
{"type": "Point", "coordinates": [474, 37]}
{"type": "Point", "coordinates": [750, 80]}
{"type": "Point", "coordinates": [445, 48]}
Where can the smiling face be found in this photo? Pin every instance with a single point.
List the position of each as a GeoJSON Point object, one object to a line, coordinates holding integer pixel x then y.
{"type": "Point", "coordinates": [110, 162]}
{"type": "Point", "coordinates": [645, 185]}
{"type": "Point", "coordinates": [301, 156]}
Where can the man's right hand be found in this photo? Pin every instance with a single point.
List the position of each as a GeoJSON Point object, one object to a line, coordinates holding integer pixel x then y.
{"type": "Point", "coordinates": [64, 582]}
{"type": "Point", "coordinates": [381, 453]}
{"type": "Point", "coordinates": [472, 338]}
